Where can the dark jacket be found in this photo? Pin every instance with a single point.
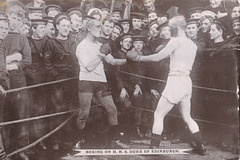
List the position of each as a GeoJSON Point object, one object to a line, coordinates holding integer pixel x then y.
{"type": "Point", "coordinates": [4, 77]}
{"type": "Point", "coordinates": [59, 58]}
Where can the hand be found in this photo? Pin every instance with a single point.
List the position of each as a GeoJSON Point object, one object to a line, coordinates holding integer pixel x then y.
{"type": "Point", "coordinates": [155, 93]}
{"type": "Point", "coordinates": [105, 49]}
{"type": "Point", "coordinates": [101, 56]}
{"type": "Point", "coordinates": [123, 94]}
{"type": "Point", "coordinates": [132, 55]}
{"type": "Point", "coordinates": [220, 15]}
{"type": "Point", "coordinates": [137, 91]}
{"type": "Point", "coordinates": [11, 67]}
{"type": "Point", "coordinates": [14, 57]}
{"type": "Point", "coordinates": [2, 91]}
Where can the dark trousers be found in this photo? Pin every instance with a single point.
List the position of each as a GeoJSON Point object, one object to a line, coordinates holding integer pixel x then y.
{"type": "Point", "coordinates": [63, 97]}
{"type": "Point", "coordinates": [38, 100]}
{"type": "Point", "coordinates": [17, 107]}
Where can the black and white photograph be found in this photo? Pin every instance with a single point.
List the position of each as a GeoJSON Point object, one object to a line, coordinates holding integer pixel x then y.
{"type": "Point", "coordinates": [119, 79]}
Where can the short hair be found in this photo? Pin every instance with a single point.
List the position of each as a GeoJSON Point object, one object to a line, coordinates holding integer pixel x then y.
{"type": "Point", "coordinates": [18, 10]}
{"type": "Point", "coordinates": [90, 23]}
{"type": "Point", "coordinates": [107, 19]}
{"type": "Point", "coordinates": [178, 21]}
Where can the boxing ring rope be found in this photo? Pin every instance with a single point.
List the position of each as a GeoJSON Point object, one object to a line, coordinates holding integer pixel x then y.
{"type": "Point", "coordinates": [194, 86]}
{"type": "Point", "coordinates": [73, 111]}
{"type": "Point", "coordinates": [40, 139]}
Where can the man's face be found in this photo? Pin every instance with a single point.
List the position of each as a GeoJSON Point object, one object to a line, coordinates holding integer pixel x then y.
{"type": "Point", "coordinates": [63, 27]}
{"type": "Point", "coordinates": [137, 23]}
{"type": "Point", "coordinates": [105, 14]}
{"type": "Point", "coordinates": [192, 30]}
{"type": "Point", "coordinates": [107, 28]}
{"type": "Point", "coordinates": [14, 21]}
{"type": "Point", "coordinates": [236, 12]}
{"type": "Point", "coordinates": [115, 33]}
{"type": "Point", "coordinates": [138, 45]}
{"type": "Point", "coordinates": [95, 29]}
{"type": "Point", "coordinates": [126, 43]}
{"type": "Point", "coordinates": [165, 32]}
{"type": "Point", "coordinates": [116, 16]}
{"type": "Point", "coordinates": [50, 30]}
{"type": "Point", "coordinates": [195, 15]}
{"type": "Point", "coordinates": [236, 28]}
{"type": "Point", "coordinates": [153, 30]}
{"type": "Point", "coordinates": [161, 20]}
{"type": "Point", "coordinates": [52, 13]}
{"type": "Point", "coordinates": [39, 31]}
{"type": "Point", "coordinates": [214, 32]}
{"type": "Point", "coordinates": [126, 27]}
{"type": "Point", "coordinates": [3, 29]}
{"type": "Point", "coordinates": [205, 25]}
{"type": "Point", "coordinates": [25, 29]}
{"type": "Point", "coordinates": [76, 22]}
{"type": "Point", "coordinates": [152, 16]}
{"type": "Point", "coordinates": [215, 3]}
{"type": "Point", "coordinates": [149, 5]}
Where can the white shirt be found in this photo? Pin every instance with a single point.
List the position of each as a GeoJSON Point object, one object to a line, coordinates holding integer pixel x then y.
{"type": "Point", "coordinates": [87, 52]}
{"type": "Point", "coordinates": [182, 59]}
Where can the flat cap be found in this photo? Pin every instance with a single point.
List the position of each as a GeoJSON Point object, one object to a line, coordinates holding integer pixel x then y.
{"type": "Point", "coordinates": [208, 13]}
{"type": "Point", "coordinates": [75, 10]}
{"type": "Point", "coordinates": [137, 15]}
{"type": "Point", "coordinates": [38, 21]}
{"type": "Point", "coordinates": [119, 26]}
{"type": "Point", "coordinates": [192, 21]}
{"type": "Point", "coordinates": [53, 7]}
{"type": "Point", "coordinates": [49, 19]}
{"type": "Point", "coordinates": [161, 26]}
{"type": "Point", "coordinates": [59, 17]}
{"type": "Point", "coordinates": [139, 38]}
{"type": "Point", "coordinates": [152, 23]}
{"type": "Point", "coordinates": [124, 21]}
{"type": "Point", "coordinates": [124, 36]}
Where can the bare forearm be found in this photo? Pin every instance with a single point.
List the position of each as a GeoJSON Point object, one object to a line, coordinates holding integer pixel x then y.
{"type": "Point", "coordinates": [118, 62]}
{"type": "Point", "coordinates": [93, 64]}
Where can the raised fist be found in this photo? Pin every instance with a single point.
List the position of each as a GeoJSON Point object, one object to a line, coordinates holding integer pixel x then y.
{"type": "Point", "coordinates": [132, 55]}
{"type": "Point", "coordinates": [105, 49]}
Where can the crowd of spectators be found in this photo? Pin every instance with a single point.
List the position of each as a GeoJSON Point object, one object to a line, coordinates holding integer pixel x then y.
{"type": "Point", "coordinates": [38, 43]}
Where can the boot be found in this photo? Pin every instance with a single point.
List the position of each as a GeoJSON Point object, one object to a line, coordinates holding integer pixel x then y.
{"type": "Point", "coordinates": [200, 147]}
{"type": "Point", "coordinates": [155, 141]}
{"type": "Point", "coordinates": [80, 142]}
{"type": "Point", "coordinates": [114, 139]}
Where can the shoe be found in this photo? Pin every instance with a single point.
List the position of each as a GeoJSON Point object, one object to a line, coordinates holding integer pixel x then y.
{"type": "Point", "coordinates": [176, 141]}
{"type": "Point", "coordinates": [79, 144]}
{"type": "Point", "coordinates": [22, 156]}
{"type": "Point", "coordinates": [119, 144]}
{"type": "Point", "coordinates": [201, 150]}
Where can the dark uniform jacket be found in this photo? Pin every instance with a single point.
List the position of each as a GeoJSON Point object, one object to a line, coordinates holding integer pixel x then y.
{"type": "Point", "coordinates": [124, 80]}
{"type": "Point", "coordinates": [35, 72]}
{"type": "Point", "coordinates": [4, 77]}
{"type": "Point", "coordinates": [59, 58]}
{"type": "Point", "coordinates": [18, 43]}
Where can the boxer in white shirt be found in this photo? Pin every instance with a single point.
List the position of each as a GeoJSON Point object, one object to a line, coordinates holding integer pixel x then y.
{"type": "Point", "coordinates": [178, 90]}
